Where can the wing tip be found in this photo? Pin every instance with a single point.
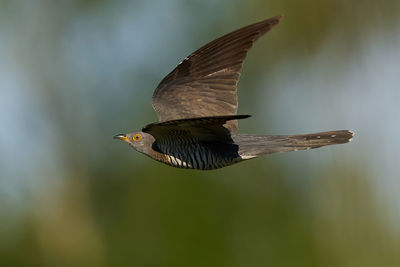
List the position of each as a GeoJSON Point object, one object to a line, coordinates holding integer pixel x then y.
{"type": "Point", "coordinates": [243, 116]}
{"type": "Point", "coordinates": [278, 18]}
{"type": "Point", "coordinates": [274, 20]}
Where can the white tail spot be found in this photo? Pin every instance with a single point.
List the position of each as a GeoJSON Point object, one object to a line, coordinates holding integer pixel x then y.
{"type": "Point", "coordinates": [352, 135]}
{"type": "Point", "coordinates": [333, 135]}
{"type": "Point", "coordinates": [318, 136]}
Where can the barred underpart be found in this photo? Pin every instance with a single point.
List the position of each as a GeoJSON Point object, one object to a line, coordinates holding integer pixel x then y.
{"type": "Point", "coordinates": [191, 153]}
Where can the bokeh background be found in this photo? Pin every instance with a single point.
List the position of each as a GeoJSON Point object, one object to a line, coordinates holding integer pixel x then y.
{"type": "Point", "coordinates": [74, 73]}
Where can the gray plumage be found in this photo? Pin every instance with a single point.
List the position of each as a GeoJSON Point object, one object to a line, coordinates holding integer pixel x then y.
{"type": "Point", "coordinates": [196, 105]}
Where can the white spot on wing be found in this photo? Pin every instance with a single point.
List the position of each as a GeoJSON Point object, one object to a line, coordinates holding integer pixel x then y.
{"type": "Point", "coordinates": [186, 58]}
{"type": "Point", "coordinates": [216, 72]}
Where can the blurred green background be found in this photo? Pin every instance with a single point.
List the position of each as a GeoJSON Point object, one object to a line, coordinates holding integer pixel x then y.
{"type": "Point", "coordinates": [74, 73]}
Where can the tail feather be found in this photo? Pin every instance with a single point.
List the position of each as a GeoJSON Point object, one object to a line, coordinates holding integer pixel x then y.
{"type": "Point", "coordinates": [251, 146]}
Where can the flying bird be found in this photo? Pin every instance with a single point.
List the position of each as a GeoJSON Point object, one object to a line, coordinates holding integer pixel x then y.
{"type": "Point", "coordinates": [196, 105]}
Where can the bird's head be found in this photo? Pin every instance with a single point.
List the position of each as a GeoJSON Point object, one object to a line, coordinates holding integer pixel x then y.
{"type": "Point", "coordinates": [140, 141]}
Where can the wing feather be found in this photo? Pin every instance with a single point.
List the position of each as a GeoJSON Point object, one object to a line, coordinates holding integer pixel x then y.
{"type": "Point", "coordinates": [205, 83]}
{"type": "Point", "coordinates": [201, 129]}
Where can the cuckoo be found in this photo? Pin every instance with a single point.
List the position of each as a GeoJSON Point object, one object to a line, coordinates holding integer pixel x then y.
{"type": "Point", "coordinates": [196, 105]}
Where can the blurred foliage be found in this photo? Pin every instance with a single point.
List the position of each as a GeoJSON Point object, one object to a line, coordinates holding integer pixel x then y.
{"type": "Point", "coordinates": [74, 73]}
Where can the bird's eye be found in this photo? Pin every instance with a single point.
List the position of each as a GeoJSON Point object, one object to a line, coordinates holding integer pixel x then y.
{"type": "Point", "coordinates": [137, 137]}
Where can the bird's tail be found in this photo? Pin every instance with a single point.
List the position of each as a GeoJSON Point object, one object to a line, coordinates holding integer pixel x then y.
{"type": "Point", "coordinates": [251, 146]}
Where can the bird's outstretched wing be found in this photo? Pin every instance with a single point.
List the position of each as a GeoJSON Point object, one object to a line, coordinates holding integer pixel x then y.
{"type": "Point", "coordinates": [205, 129]}
{"type": "Point", "coordinates": [205, 83]}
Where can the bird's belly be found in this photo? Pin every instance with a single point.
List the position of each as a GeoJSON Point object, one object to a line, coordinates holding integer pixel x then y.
{"type": "Point", "coordinates": [207, 156]}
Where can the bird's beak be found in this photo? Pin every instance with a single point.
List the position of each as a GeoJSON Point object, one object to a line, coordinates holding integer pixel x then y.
{"type": "Point", "coordinates": [121, 137]}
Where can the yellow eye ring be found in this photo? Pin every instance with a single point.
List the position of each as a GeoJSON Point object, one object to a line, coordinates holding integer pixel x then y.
{"type": "Point", "coordinates": [137, 137]}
